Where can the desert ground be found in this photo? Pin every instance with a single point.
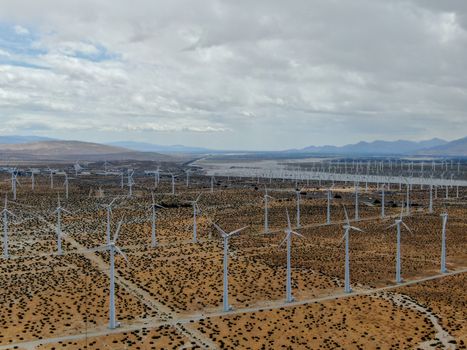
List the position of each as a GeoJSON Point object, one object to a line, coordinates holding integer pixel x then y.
{"type": "Point", "coordinates": [170, 296]}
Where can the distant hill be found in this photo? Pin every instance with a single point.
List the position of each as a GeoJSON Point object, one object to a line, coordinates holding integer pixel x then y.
{"type": "Point", "coordinates": [150, 147]}
{"type": "Point", "coordinates": [15, 139]}
{"type": "Point", "coordinates": [377, 147]}
{"type": "Point", "coordinates": [74, 150]}
{"type": "Point", "coordinates": [456, 148]}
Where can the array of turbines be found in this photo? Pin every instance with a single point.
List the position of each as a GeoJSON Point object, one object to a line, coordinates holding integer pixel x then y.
{"type": "Point", "coordinates": [112, 247]}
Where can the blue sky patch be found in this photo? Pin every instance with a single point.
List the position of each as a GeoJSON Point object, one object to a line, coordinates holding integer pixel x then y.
{"type": "Point", "coordinates": [17, 43]}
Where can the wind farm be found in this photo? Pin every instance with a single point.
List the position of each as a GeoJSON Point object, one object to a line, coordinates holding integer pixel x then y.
{"type": "Point", "coordinates": [255, 175]}
{"type": "Point", "coordinates": [179, 272]}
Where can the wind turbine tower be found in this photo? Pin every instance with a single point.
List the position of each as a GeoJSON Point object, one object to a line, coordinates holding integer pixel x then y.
{"type": "Point", "coordinates": [288, 232]}
{"type": "Point", "coordinates": [226, 236]}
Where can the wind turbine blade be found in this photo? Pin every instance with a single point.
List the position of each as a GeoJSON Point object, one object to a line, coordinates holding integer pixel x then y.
{"type": "Point", "coordinates": [288, 220]}
{"type": "Point", "coordinates": [346, 216]}
{"type": "Point", "coordinates": [197, 198]}
{"type": "Point", "coordinates": [390, 226]}
{"type": "Point", "coordinates": [298, 234]}
{"type": "Point", "coordinates": [407, 227]}
{"type": "Point", "coordinates": [221, 231]}
{"type": "Point", "coordinates": [117, 232]}
{"type": "Point", "coordinates": [356, 229]}
{"type": "Point", "coordinates": [112, 202]}
{"type": "Point", "coordinates": [119, 251]}
{"type": "Point", "coordinates": [284, 240]}
{"type": "Point", "coordinates": [237, 231]}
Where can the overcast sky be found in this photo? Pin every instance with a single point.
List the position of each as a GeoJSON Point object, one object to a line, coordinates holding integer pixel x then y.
{"type": "Point", "coordinates": [234, 74]}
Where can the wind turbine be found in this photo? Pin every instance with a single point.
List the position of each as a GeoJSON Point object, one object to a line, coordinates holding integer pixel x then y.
{"type": "Point", "coordinates": [77, 168]}
{"type": "Point", "coordinates": [5, 213]}
{"type": "Point", "coordinates": [407, 209]}
{"type": "Point", "coordinates": [288, 285]}
{"type": "Point", "coordinates": [51, 178]}
{"type": "Point", "coordinates": [430, 206]}
{"type": "Point", "coordinates": [187, 172]}
{"type": "Point", "coordinates": [347, 227]}
{"type": "Point", "coordinates": [212, 183]}
{"type": "Point", "coordinates": [226, 237]}
{"type": "Point", "coordinates": [154, 206]}
{"type": "Point", "coordinates": [113, 248]}
{"type": "Point", "coordinates": [266, 216]}
{"type": "Point", "coordinates": [108, 208]}
{"type": "Point", "coordinates": [398, 223]}
{"type": "Point", "coordinates": [157, 177]}
{"type": "Point", "coordinates": [356, 202]}
{"type": "Point", "coordinates": [59, 233]}
{"type": "Point", "coordinates": [328, 210]}
{"type": "Point", "coordinates": [196, 211]}
{"type": "Point", "coordinates": [33, 180]}
{"type": "Point", "coordinates": [173, 184]}
{"type": "Point", "coordinates": [14, 182]}
{"type": "Point", "coordinates": [130, 182]}
{"type": "Point", "coordinates": [65, 183]}
{"type": "Point", "coordinates": [444, 217]}
{"type": "Point", "coordinates": [297, 192]}
{"type": "Point", "coordinates": [382, 201]}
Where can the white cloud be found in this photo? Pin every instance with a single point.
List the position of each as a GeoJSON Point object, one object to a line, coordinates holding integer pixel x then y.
{"type": "Point", "coordinates": [255, 73]}
{"type": "Point", "coordinates": [21, 30]}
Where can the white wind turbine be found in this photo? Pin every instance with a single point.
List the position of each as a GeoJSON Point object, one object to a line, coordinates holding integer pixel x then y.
{"type": "Point", "coordinates": [266, 208]}
{"type": "Point", "coordinates": [328, 209]}
{"type": "Point", "coordinates": [288, 284]}
{"type": "Point", "coordinates": [65, 183]}
{"type": "Point", "coordinates": [187, 172]}
{"type": "Point", "coordinates": [5, 213]}
{"type": "Point", "coordinates": [444, 217]}
{"type": "Point", "coordinates": [430, 205]}
{"type": "Point", "coordinates": [51, 178]}
{"type": "Point", "coordinates": [33, 179]}
{"type": "Point", "coordinates": [226, 237]}
{"type": "Point", "coordinates": [173, 183]}
{"type": "Point", "coordinates": [131, 182]}
{"type": "Point", "coordinates": [108, 208]}
{"type": "Point", "coordinates": [212, 183]}
{"type": "Point", "coordinates": [113, 248]}
{"type": "Point", "coordinates": [59, 233]}
{"type": "Point", "coordinates": [77, 168]}
{"type": "Point", "coordinates": [382, 201]}
{"type": "Point", "coordinates": [407, 209]}
{"type": "Point", "coordinates": [398, 223]}
{"type": "Point", "coordinates": [356, 202]}
{"type": "Point", "coordinates": [14, 182]}
{"type": "Point", "coordinates": [157, 177]}
{"type": "Point", "coordinates": [297, 192]}
{"type": "Point", "coordinates": [347, 228]}
{"type": "Point", "coordinates": [196, 211]}
{"type": "Point", "coordinates": [154, 207]}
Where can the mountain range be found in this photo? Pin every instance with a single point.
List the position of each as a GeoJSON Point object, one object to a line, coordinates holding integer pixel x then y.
{"type": "Point", "coordinates": [150, 147]}
{"type": "Point", "coordinates": [73, 151]}
{"type": "Point", "coordinates": [378, 147]}
{"type": "Point", "coordinates": [35, 147]}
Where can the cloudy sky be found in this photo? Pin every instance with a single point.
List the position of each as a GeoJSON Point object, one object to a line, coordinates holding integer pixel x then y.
{"type": "Point", "coordinates": [237, 74]}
